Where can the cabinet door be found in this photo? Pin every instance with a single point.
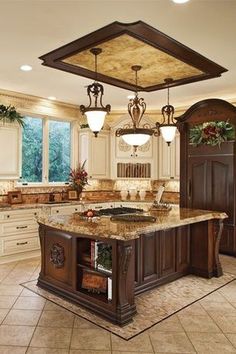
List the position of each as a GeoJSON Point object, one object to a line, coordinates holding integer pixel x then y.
{"type": "Point", "coordinates": [169, 158]}
{"type": "Point", "coordinates": [182, 248]}
{"type": "Point", "coordinates": [150, 257]}
{"type": "Point", "coordinates": [100, 157]}
{"type": "Point", "coordinates": [9, 152]}
{"type": "Point", "coordinates": [198, 183]}
{"type": "Point", "coordinates": [167, 248]}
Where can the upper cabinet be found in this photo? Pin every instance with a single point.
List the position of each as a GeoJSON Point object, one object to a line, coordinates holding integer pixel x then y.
{"type": "Point", "coordinates": [10, 151]}
{"type": "Point", "coordinates": [169, 158]}
{"type": "Point", "coordinates": [96, 152]}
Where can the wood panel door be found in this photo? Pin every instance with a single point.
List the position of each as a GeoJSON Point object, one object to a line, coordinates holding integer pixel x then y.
{"type": "Point", "coordinates": [168, 254]}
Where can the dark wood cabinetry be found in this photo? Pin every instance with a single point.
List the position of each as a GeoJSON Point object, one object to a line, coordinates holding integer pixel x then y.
{"type": "Point", "coordinates": [208, 173]}
{"type": "Point", "coordinates": [161, 256]}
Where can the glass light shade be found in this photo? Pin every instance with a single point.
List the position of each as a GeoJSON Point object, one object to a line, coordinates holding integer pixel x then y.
{"type": "Point", "coordinates": [180, 1]}
{"type": "Point", "coordinates": [168, 132]}
{"type": "Point", "coordinates": [136, 139]}
{"type": "Point", "coordinates": [95, 120]}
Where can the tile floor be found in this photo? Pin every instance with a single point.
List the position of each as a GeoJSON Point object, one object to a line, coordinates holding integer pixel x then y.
{"type": "Point", "coordinates": [32, 325]}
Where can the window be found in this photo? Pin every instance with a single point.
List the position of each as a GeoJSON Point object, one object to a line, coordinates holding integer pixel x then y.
{"type": "Point", "coordinates": [32, 150]}
{"type": "Point", "coordinates": [59, 151]}
{"type": "Point", "coordinates": [46, 151]}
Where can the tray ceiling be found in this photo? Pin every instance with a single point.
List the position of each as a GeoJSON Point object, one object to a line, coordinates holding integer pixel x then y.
{"type": "Point", "coordinates": [124, 45]}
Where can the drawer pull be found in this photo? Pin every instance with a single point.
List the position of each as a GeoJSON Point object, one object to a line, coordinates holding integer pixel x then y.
{"type": "Point", "coordinates": [21, 227]}
{"type": "Point", "coordinates": [22, 243]}
{"type": "Point", "coordinates": [8, 216]}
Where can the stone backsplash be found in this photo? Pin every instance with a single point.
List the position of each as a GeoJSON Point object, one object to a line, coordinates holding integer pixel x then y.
{"type": "Point", "coordinates": [100, 190]}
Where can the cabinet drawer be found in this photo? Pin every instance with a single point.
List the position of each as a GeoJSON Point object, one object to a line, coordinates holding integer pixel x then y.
{"type": "Point", "coordinates": [10, 246]}
{"type": "Point", "coordinates": [19, 215]}
{"type": "Point", "coordinates": [65, 210]}
{"type": "Point", "coordinates": [19, 227]}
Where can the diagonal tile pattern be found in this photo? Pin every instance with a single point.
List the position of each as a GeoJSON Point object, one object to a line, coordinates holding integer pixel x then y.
{"type": "Point", "coordinates": [32, 325]}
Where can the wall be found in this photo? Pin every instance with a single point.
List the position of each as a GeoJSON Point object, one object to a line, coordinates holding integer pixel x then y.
{"type": "Point", "coordinates": [31, 105]}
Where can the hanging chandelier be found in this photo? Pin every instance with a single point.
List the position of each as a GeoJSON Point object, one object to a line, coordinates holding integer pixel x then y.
{"type": "Point", "coordinates": [134, 134]}
{"type": "Point", "coordinates": [95, 113]}
{"type": "Point", "coordinates": [167, 127]}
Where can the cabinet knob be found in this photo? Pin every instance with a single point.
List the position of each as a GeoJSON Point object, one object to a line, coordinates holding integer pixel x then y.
{"type": "Point", "coordinates": [8, 216]}
{"type": "Point", "coordinates": [57, 211]}
{"type": "Point", "coordinates": [76, 209]}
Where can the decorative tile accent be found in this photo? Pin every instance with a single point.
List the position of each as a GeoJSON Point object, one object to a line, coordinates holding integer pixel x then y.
{"type": "Point", "coordinates": [152, 306]}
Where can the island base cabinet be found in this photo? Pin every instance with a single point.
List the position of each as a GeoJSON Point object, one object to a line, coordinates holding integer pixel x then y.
{"type": "Point", "coordinates": [160, 257]}
{"type": "Point", "coordinates": [66, 271]}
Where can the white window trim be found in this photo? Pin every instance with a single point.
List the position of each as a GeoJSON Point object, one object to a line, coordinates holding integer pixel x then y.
{"type": "Point", "coordinates": [45, 152]}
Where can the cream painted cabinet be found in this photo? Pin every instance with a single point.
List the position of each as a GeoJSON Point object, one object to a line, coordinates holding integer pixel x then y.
{"type": "Point", "coordinates": [18, 234]}
{"type": "Point", "coordinates": [169, 158]}
{"type": "Point", "coordinates": [65, 210]}
{"type": "Point", "coordinates": [9, 151]}
{"type": "Point", "coordinates": [96, 152]}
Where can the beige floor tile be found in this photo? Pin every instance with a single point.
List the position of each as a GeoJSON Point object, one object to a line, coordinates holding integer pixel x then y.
{"type": "Point", "coordinates": [194, 309]}
{"type": "Point", "coordinates": [6, 302]}
{"type": "Point", "coordinates": [117, 352]}
{"type": "Point", "coordinates": [29, 303]}
{"type": "Point", "coordinates": [3, 313]}
{"type": "Point", "coordinates": [226, 323]}
{"type": "Point", "coordinates": [215, 343]}
{"type": "Point", "coordinates": [47, 351]}
{"type": "Point", "coordinates": [16, 335]}
{"type": "Point", "coordinates": [51, 306]}
{"type": "Point", "coordinates": [22, 317]}
{"type": "Point", "coordinates": [12, 350]}
{"type": "Point", "coordinates": [83, 323]}
{"type": "Point", "coordinates": [56, 319]}
{"type": "Point", "coordinates": [13, 290]}
{"type": "Point", "coordinates": [94, 339]}
{"type": "Point", "coordinates": [27, 292]}
{"type": "Point", "coordinates": [198, 324]}
{"type": "Point", "coordinates": [232, 338]}
{"type": "Point", "coordinates": [77, 351]}
{"type": "Point", "coordinates": [215, 297]}
{"type": "Point", "coordinates": [171, 342]}
{"type": "Point", "coordinates": [219, 307]}
{"type": "Point", "coordinates": [51, 338]}
{"type": "Point", "coordinates": [171, 324]}
{"type": "Point", "coordinates": [140, 343]}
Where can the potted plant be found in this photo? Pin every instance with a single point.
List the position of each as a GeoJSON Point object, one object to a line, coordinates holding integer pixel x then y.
{"type": "Point", "coordinates": [78, 178]}
{"type": "Point", "coordinates": [8, 114]}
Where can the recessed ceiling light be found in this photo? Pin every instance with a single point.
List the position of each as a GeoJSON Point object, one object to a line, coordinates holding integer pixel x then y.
{"type": "Point", "coordinates": [180, 1]}
{"type": "Point", "coordinates": [53, 98]}
{"type": "Point", "coordinates": [26, 67]}
{"type": "Point", "coordinates": [130, 97]}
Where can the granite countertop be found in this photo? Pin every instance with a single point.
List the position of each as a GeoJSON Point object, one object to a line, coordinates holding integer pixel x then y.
{"type": "Point", "coordinates": [7, 207]}
{"type": "Point", "coordinates": [105, 228]}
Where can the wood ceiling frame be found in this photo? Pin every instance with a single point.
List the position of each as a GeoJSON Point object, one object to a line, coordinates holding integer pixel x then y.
{"type": "Point", "coordinates": [144, 33]}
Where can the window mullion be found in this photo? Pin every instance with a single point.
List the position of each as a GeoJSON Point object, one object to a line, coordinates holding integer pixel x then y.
{"type": "Point", "coordinates": [45, 150]}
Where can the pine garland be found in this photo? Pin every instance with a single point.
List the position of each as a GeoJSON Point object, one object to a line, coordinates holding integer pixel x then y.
{"type": "Point", "coordinates": [211, 133]}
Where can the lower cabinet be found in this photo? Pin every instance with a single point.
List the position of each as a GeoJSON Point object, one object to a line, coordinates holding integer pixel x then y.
{"type": "Point", "coordinates": [18, 234]}
{"type": "Point", "coordinates": [161, 256]}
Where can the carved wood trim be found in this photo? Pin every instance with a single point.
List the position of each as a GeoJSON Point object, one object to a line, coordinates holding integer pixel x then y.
{"type": "Point", "coordinates": [57, 255]}
{"type": "Point", "coordinates": [220, 225]}
{"type": "Point", "coordinates": [126, 254]}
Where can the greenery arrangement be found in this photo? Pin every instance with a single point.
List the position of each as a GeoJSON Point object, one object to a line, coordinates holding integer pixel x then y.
{"type": "Point", "coordinates": [84, 125]}
{"type": "Point", "coordinates": [78, 177]}
{"type": "Point", "coordinates": [211, 133]}
{"type": "Point", "coordinates": [8, 114]}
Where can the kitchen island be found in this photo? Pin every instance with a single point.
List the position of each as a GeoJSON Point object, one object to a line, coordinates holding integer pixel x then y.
{"type": "Point", "coordinates": [144, 255]}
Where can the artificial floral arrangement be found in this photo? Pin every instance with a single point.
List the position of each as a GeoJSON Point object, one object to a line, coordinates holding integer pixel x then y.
{"type": "Point", "coordinates": [211, 133]}
{"type": "Point", "coordinates": [8, 114]}
{"type": "Point", "coordinates": [78, 177]}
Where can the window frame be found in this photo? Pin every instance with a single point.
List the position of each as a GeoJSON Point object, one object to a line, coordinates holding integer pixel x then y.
{"type": "Point", "coordinates": [45, 153]}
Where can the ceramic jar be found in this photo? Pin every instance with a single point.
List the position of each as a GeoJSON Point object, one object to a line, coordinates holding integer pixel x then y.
{"type": "Point", "coordinates": [142, 194]}
{"type": "Point", "coordinates": [124, 194]}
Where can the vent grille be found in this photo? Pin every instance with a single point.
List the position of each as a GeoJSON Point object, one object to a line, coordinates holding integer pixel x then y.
{"type": "Point", "coordinates": [134, 170]}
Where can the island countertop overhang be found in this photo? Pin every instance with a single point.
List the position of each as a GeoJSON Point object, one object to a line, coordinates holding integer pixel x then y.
{"type": "Point", "coordinates": [126, 231]}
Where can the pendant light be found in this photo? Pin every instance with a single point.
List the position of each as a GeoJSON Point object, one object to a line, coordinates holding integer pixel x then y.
{"type": "Point", "coordinates": [95, 114]}
{"type": "Point", "coordinates": [168, 127]}
{"type": "Point", "coordinates": [134, 134]}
